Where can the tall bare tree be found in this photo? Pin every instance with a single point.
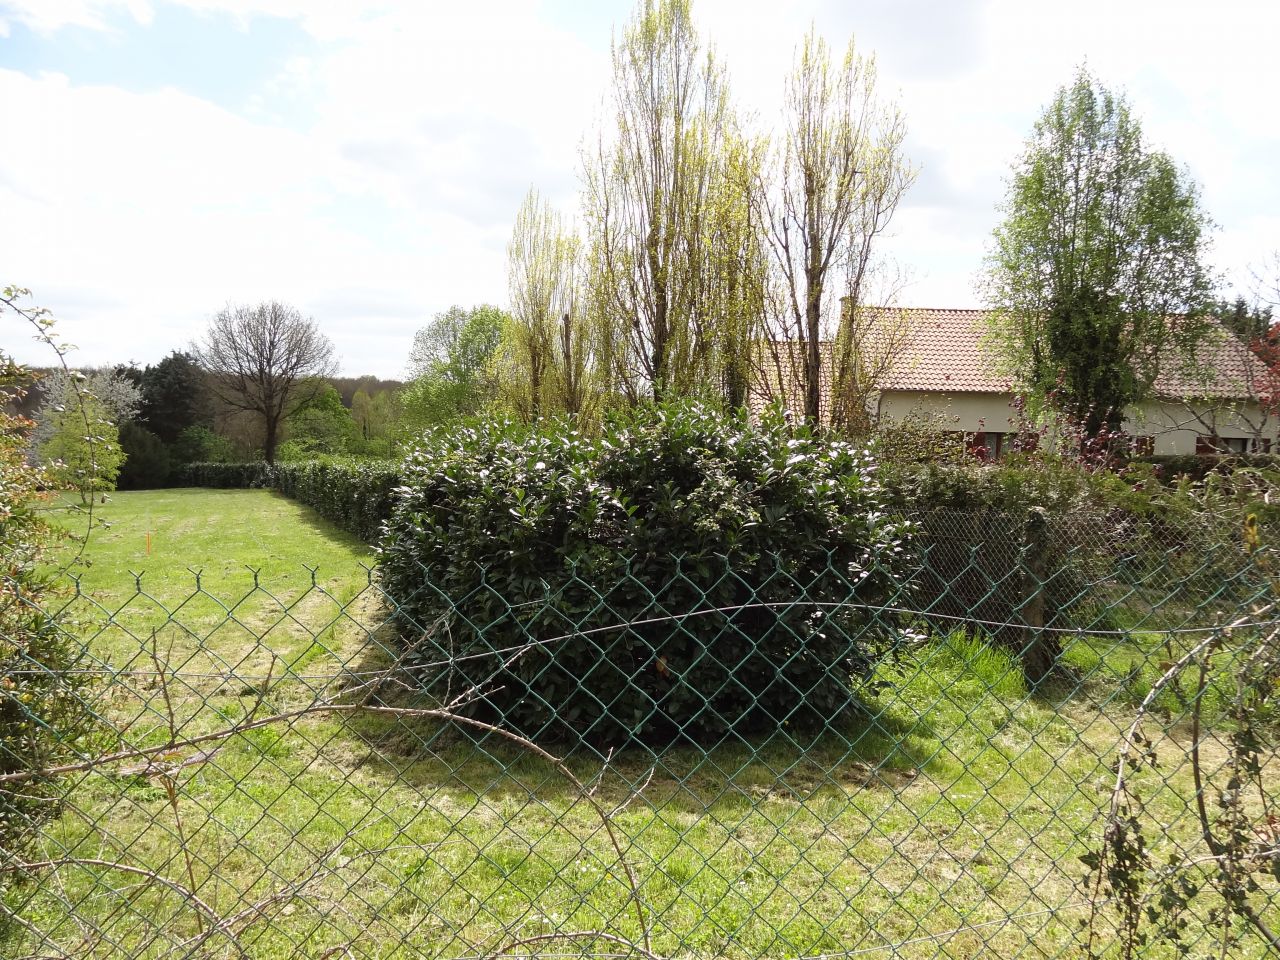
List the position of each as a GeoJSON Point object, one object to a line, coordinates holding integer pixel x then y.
{"type": "Point", "coordinates": [265, 360]}
{"type": "Point", "coordinates": [735, 263]}
{"type": "Point", "coordinates": [551, 346]}
{"type": "Point", "coordinates": [841, 173]}
{"type": "Point", "coordinates": [650, 198]}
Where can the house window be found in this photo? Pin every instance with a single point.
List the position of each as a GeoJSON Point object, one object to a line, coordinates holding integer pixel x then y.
{"type": "Point", "coordinates": [987, 444]}
{"type": "Point", "coordinates": [1206, 445]}
{"type": "Point", "coordinates": [1142, 446]}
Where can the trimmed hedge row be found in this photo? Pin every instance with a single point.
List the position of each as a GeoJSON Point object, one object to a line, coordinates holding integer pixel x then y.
{"type": "Point", "coordinates": [224, 475]}
{"type": "Point", "coordinates": [355, 495]}
{"type": "Point", "coordinates": [1198, 466]}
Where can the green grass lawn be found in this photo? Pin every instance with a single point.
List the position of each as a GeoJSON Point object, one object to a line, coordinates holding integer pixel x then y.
{"type": "Point", "coordinates": [158, 542]}
{"type": "Point", "coordinates": [948, 821]}
{"type": "Point", "coordinates": [218, 581]}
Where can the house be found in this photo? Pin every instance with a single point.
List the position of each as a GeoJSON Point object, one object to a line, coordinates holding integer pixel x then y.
{"type": "Point", "coordinates": [940, 370]}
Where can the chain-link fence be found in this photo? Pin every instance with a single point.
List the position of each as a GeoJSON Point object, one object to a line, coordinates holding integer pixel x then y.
{"type": "Point", "coordinates": [1053, 739]}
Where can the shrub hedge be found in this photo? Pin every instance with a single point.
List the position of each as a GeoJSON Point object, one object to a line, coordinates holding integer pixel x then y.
{"type": "Point", "coordinates": [1196, 467]}
{"type": "Point", "coordinates": [352, 494]}
{"type": "Point", "coordinates": [224, 475]}
{"type": "Point", "coordinates": [599, 549]}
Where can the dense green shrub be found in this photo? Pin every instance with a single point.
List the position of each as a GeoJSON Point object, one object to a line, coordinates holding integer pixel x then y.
{"type": "Point", "coordinates": [221, 475]}
{"type": "Point", "coordinates": [655, 567]}
{"type": "Point", "coordinates": [352, 494]}
{"type": "Point", "coordinates": [146, 464]}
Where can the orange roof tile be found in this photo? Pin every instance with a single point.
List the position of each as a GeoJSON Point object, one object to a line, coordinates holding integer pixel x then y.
{"type": "Point", "coordinates": [946, 354]}
{"type": "Point", "coordinates": [949, 356]}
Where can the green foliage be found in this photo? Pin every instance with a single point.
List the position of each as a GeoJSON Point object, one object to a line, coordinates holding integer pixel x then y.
{"type": "Point", "coordinates": [376, 417]}
{"type": "Point", "coordinates": [982, 526]}
{"type": "Point", "coordinates": [223, 475]}
{"type": "Point", "coordinates": [452, 366]}
{"type": "Point", "coordinates": [669, 510]}
{"type": "Point", "coordinates": [320, 427]}
{"type": "Point", "coordinates": [920, 438]}
{"type": "Point", "coordinates": [355, 495]}
{"type": "Point", "coordinates": [1097, 271]}
{"type": "Point", "coordinates": [549, 349]}
{"type": "Point", "coordinates": [41, 713]}
{"type": "Point", "coordinates": [1247, 321]}
{"type": "Point", "coordinates": [83, 451]}
{"type": "Point", "coordinates": [1013, 486]}
{"type": "Point", "coordinates": [174, 397]}
{"type": "Point", "coordinates": [1194, 467]}
{"type": "Point", "coordinates": [352, 494]}
{"type": "Point", "coordinates": [198, 444]}
{"type": "Point", "coordinates": [1087, 531]}
{"type": "Point", "coordinates": [147, 463]}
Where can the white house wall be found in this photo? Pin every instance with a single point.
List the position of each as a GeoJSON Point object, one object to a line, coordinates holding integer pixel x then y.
{"type": "Point", "coordinates": [1173, 425]}
{"type": "Point", "coordinates": [1176, 425]}
{"type": "Point", "coordinates": [970, 412]}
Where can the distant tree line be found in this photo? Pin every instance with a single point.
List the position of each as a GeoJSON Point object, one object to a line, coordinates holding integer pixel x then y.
{"type": "Point", "coordinates": [258, 385]}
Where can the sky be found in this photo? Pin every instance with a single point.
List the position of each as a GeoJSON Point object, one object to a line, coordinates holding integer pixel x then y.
{"type": "Point", "coordinates": [364, 161]}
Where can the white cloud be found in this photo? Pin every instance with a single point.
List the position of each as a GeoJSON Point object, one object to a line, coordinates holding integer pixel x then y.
{"type": "Point", "coordinates": [372, 181]}
{"type": "Point", "coordinates": [49, 16]}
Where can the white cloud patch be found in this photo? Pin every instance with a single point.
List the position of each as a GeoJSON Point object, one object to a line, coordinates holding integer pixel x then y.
{"type": "Point", "coordinates": [373, 182]}
{"type": "Point", "coordinates": [49, 16]}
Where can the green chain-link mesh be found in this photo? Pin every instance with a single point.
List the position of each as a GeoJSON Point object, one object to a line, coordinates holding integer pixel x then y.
{"type": "Point", "coordinates": [304, 774]}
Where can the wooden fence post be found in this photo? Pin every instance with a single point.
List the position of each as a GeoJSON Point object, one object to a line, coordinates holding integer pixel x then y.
{"type": "Point", "coordinates": [1040, 650]}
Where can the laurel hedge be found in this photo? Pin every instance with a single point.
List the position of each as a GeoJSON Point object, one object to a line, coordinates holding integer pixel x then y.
{"type": "Point", "coordinates": [683, 574]}
{"type": "Point", "coordinates": [354, 495]}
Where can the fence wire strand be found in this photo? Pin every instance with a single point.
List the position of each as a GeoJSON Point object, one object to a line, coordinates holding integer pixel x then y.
{"type": "Point", "coordinates": [1054, 740]}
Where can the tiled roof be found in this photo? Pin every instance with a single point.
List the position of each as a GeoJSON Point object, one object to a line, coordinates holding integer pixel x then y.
{"type": "Point", "coordinates": [948, 355]}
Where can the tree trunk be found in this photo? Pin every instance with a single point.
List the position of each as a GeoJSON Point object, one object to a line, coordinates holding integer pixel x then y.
{"type": "Point", "coordinates": [272, 438]}
{"type": "Point", "coordinates": [813, 356]}
{"type": "Point", "coordinates": [572, 402]}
